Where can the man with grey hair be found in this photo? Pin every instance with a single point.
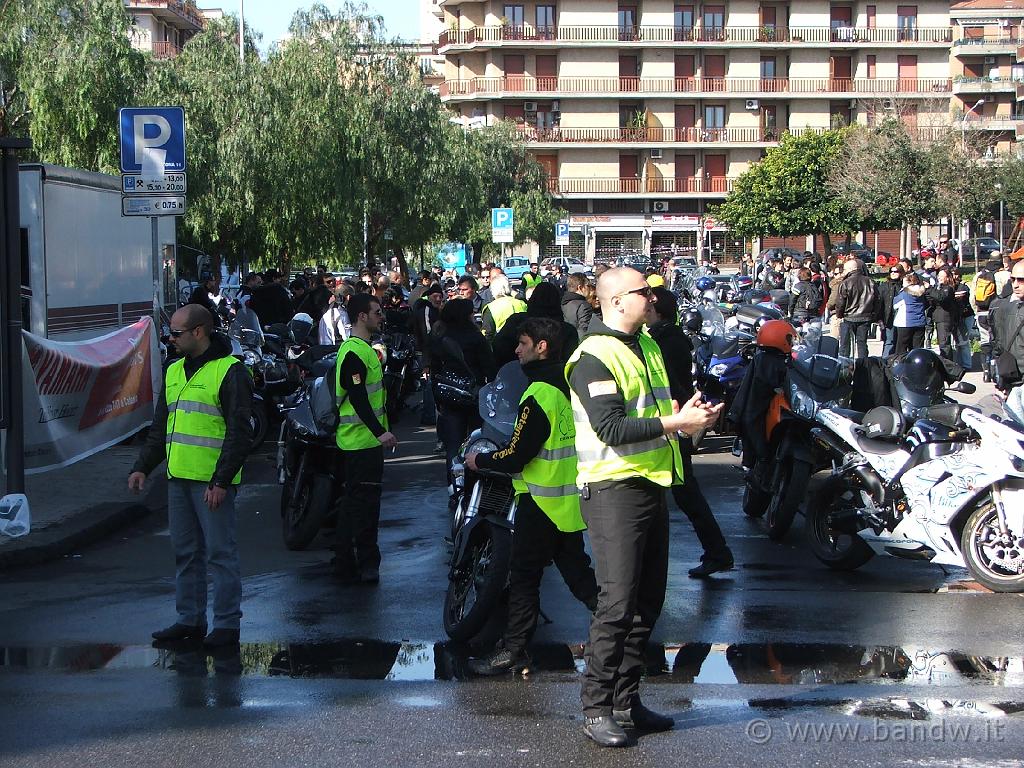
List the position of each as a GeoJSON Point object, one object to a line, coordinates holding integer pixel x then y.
{"type": "Point", "coordinates": [501, 308]}
{"type": "Point", "coordinates": [856, 308]}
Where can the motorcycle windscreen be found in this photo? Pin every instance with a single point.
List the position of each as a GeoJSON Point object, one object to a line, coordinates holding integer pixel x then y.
{"type": "Point", "coordinates": [499, 400]}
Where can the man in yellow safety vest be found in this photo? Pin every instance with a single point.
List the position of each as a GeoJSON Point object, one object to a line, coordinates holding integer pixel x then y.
{"type": "Point", "coordinates": [362, 437]}
{"type": "Point", "coordinates": [542, 458]}
{"type": "Point", "coordinates": [202, 428]}
{"type": "Point", "coordinates": [627, 457]}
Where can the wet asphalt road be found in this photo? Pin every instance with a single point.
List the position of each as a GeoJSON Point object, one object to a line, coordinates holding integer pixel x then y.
{"type": "Point", "coordinates": [330, 673]}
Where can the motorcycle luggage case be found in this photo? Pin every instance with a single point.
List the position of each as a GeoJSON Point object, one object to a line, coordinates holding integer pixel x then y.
{"type": "Point", "coordinates": [748, 314]}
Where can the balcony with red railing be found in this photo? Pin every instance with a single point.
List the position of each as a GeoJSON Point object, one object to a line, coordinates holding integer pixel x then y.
{"type": "Point", "coordinates": [165, 49]}
{"type": "Point", "coordinates": [770, 35]}
{"type": "Point", "coordinates": [613, 185]}
{"type": "Point", "coordinates": [515, 85]}
{"type": "Point", "coordinates": [688, 135]}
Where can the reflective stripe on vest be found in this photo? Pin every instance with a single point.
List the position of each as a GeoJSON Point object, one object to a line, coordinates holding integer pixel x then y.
{"type": "Point", "coordinates": [195, 421]}
{"type": "Point", "coordinates": [646, 394]}
{"type": "Point", "coordinates": [502, 308]}
{"type": "Point", "coordinates": [550, 477]}
{"type": "Point", "coordinates": [352, 433]}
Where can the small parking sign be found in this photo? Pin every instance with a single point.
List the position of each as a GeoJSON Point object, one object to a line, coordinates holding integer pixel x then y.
{"type": "Point", "coordinates": [502, 225]}
{"type": "Point", "coordinates": [562, 233]}
{"type": "Point", "coordinates": [152, 140]}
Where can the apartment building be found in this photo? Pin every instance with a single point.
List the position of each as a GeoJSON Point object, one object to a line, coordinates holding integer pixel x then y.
{"type": "Point", "coordinates": [164, 26]}
{"type": "Point", "coordinates": [988, 76]}
{"type": "Point", "coordinates": [643, 112]}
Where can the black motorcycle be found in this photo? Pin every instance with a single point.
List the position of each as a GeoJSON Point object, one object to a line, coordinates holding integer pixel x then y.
{"type": "Point", "coordinates": [402, 370]}
{"type": "Point", "coordinates": [484, 518]}
{"type": "Point", "coordinates": [306, 451]}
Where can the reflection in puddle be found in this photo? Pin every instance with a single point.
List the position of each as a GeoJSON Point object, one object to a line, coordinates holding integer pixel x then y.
{"type": "Point", "coordinates": [703, 663]}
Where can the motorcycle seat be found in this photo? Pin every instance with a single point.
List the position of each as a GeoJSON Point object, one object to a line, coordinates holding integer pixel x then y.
{"type": "Point", "coordinates": [855, 416]}
{"type": "Point", "coordinates": [877, 447]}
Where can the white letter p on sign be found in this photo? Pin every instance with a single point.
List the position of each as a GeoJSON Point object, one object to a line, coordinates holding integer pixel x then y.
{"type": "Point", "coordinates": [147, 151]}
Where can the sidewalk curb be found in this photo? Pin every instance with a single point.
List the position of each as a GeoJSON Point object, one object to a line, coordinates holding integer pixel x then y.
{"type": "Point", "coordinates": [86, 527]}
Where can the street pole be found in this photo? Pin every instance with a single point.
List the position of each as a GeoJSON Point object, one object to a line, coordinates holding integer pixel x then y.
{"type": "Point", "coordinates": [10, 261]}
{"type": "Point", "coordinates": [1001, 221]}
{"type": "Point", "coordinates": [241, 31]}
{"type": "Point", "coordinates": [155, 236]}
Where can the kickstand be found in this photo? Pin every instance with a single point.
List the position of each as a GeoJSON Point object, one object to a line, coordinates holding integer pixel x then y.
{"type": "Point", "coordinates": [544, 616]}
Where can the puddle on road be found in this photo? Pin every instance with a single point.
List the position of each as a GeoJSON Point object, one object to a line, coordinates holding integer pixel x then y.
{"type": "Point", "coordinates": [703, 663]}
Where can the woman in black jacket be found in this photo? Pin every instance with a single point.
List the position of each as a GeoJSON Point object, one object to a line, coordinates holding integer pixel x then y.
{"type": "Point", "coordinates": [545, 301]}
{"type": "Point", "coordinates": [455, 345]}
{"type": "Point", "coordinates": [662, 323]}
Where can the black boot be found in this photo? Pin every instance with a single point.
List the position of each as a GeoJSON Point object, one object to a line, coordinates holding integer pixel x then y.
{"type": "Point", "coordinates": [179, 632]}
{"type": "Point", "coordinates": [710, 565]}
{"type": "Point", "coordinates": [501, 661]}
{"type": "Point", "coordinates": [605, 732]}
{"type": "Point", "coordinates": [640, 718]}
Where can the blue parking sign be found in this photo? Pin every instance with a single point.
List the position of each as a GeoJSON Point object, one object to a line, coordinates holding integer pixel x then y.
{"type": "Point", "coordinates": [152, 140]}
{"type": "Point", "coordinates": [502, 225]}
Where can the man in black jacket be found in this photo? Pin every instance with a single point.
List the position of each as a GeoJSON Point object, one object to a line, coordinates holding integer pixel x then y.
{"type": "Point", "coordinates": [1006, 318]}
{"type": "Point", "coordinates": [539, 538]}
{"type": "Point", "coordinates": [887, 291]}
{"type": "Point", "coordinates": [201, 505]}
{"type": "Point", "coordinates": [856, 307]}
{"type": "Point", "coordinates": [662, 323]}
{"type": "Point", "coordinates": [271, 301]}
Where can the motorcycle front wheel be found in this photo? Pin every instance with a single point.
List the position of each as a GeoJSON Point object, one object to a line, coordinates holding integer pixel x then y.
{"type": "Point", "coordinates": [794, 476]}
{"type": "Point", "coordinates": [987, 553]}
{"type": "Point", "coordinates": [260, 422]}
{"type": "Point", "coordinates": [839, 550]}
{"type": "Point", "coordinates": [475, 588]}
{"type": "Point", "coordinates": [304, 510]}
{"type": "Point", "coordinates": [755, 501]}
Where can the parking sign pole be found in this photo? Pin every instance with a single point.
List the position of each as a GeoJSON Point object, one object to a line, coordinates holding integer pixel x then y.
{"type": "Point", "coordinates": [155, 232]}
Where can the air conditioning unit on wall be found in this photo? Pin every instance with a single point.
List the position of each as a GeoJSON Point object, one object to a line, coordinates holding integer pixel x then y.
{"type": "Point", "coordinates": [530, 106]}
{"type": "Point", "coordinates": [655, 154]}
{"type": "Point", "coordinates": [752, 104]}
{"type": "Point", "coordinates": [661, 206]}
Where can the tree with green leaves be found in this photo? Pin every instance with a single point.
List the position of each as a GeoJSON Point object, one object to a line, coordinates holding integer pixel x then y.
{"type": "Point", "coordinates": [786, 194]}
{"type": "Point", "coordinates": [65, 70]}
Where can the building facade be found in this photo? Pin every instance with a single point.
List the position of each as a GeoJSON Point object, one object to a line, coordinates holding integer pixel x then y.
{"type": "Point", "coordinates": [643, 112]}
{"type": "Point", "coordinates": [162, 27]}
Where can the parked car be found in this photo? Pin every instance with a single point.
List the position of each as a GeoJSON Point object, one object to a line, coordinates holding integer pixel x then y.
{"type": "Point", "coordinates": [768, 254]}
{"type": "Point", "coordinates": [854, 249]}
{"type": "Point", "coordinates": [515, 267]}
{"type": "Point", "coordinates": [986, 247]}
{"type": "Point", "coordinates": [569, 266]}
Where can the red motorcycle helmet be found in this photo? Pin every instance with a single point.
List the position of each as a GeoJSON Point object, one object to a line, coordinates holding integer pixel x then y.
{"type": "Point", "coordinates": [777, 334]}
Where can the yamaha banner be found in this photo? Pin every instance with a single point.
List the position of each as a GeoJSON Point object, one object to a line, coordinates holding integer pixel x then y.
{"type": "Point", "coordinates": [83, 396]}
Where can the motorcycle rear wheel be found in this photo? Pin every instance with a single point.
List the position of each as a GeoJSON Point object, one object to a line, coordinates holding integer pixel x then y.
{"type": "Point", "coordinates": [260, 422]}
{"type": "Point", "coordinates": [839, 550]}
{"type": "Point", "coordinates": [302, 519]}
{"type": "Point", "coordinates": [475, 589]}
{"type": "Point", "coordinates": [789, 492]}
{"type": "Point", "coordinates": [979, 544]}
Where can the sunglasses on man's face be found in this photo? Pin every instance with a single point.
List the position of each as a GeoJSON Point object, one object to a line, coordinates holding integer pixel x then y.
{"type": "Point", "coordinates": [645, 291]}
{"type": "Point", "coordinates": [175, 334]}
{"type": "Point", "coordinates": [1017, 279]}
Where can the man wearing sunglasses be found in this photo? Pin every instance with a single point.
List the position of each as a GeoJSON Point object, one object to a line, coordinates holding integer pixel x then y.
{"type": "Point", "coordinates": [202, 428]}
{"type": "Point", "coordinates": [362, 437]}
{"type": "Point", "coordinates": [1006, 318]}
{"type": "Point", "coordinates": [627, 450]}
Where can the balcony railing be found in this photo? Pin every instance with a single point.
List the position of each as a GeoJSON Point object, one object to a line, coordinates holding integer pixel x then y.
{"type": "Point", "coordinates": [521, 84]}
{"type": "Point", "coordinates": [1010, 39]}
{"type": "Point", "coordinates": [710, 185]}
{"type": "Point", "coordinates": [185, 10]}
{"type": "Point", "coordinates": [984, 85]}
{"type": "Point", "coordinates": [695, 34]}
{"type": "Point", "coordinates": [165, 49]}
{"type": "Point", "coordinates": [649, 135]}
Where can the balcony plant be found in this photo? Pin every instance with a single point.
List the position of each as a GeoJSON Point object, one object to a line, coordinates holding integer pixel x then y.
{"type": "Point", "coordinates": [636, 126]}
{"type": "Point", "coordinates": [767, 34]}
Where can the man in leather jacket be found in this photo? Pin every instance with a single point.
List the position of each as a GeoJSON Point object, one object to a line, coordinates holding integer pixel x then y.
{"type": "Point", "coordinates": [856, 307]}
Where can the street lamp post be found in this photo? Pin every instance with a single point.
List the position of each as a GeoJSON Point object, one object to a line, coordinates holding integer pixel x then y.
{"type": "Point", "coordinates": [963, 124]}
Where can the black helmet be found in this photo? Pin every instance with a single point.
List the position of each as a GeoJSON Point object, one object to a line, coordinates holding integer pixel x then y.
{"type": "Point", "coordinates": [919, 377]}
{"type": "Point", "coordinates": [882, 423]}
{"type": "Point", "coordinates": [692, 320]}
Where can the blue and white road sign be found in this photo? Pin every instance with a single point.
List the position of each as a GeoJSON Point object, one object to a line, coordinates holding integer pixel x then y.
{"type": "Point", "coordinates": [152, 140]}
{"type": "Point", "coordinates": [562, 233]}
{"type": "Point", "coordinates": [502, 225]}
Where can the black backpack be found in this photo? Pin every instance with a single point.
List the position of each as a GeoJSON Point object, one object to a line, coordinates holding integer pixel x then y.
{"type": "Point", "coordinates": [811, 298]}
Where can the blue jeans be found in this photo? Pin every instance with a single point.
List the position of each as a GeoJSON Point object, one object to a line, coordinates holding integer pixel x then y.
{"type": "Point", "coordinates": [204, 540]}
{"type": "Point", "coordinates": [890, 341]}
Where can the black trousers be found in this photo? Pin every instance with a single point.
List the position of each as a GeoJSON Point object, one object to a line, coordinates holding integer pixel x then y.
{"type": "Point", "coordinates": [535, 544]}
{"type": "Point", "coordinates": [454, 423]}
{"type": "Point", "coordinates": [853, 337]}
{"type": "Point", "coordinates": [908, 339]}
{"type": "Point", "coordinates": [628, 525]}
{"type": "Point", "coordinates": [944, 335]}
{"type": "Point", "coordinates": [690, 499]}
{"type": "Point", "coordinates": [358, 509]}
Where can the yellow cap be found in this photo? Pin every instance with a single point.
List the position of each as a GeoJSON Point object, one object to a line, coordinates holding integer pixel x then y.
{"type": "Point", "coordinates": [656, 281]}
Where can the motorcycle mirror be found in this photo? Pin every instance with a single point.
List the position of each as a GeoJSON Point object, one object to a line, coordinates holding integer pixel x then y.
{"type": "Point", "coordinates": [963, 387]}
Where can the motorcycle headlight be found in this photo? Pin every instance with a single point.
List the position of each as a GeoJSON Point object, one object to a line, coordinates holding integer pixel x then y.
{"type": "Point", "coordinates": [801, 403]}
{"type": "Point", "coordinates": [718, 369]}
{"type": "Point", "coordinates": [251, 358]}
{"type": "Point", "coordinates": [481, 445]}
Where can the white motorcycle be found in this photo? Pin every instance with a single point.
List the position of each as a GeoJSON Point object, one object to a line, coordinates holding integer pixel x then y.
{"type": "Point", "coordinates": [949, 490]}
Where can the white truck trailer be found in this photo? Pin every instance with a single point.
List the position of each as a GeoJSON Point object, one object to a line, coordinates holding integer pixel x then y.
{"type": "Point", "coordinates": [86, 269]}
